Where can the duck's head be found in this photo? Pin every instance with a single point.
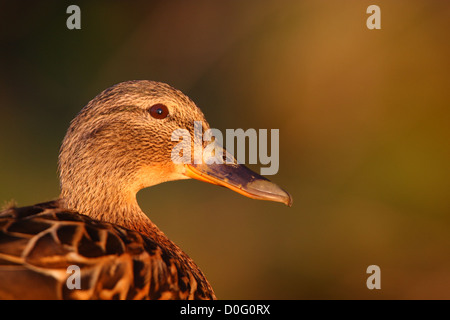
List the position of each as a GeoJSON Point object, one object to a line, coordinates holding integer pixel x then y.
{"type": "Point", "coordinates": [121, 142]}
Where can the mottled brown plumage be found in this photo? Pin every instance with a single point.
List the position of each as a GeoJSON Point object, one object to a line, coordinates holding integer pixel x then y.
{"type": "Point", "coordinates": [40, 242]}
{"type": "Point", "coordinates": [112, 149]}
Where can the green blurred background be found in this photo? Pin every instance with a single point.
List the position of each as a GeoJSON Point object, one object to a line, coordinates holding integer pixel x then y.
{"type": "Point", "coordinates": [363, 118]}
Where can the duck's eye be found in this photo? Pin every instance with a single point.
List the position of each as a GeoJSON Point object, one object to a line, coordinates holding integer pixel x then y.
{"type": "Point", "coordinates": [159, 111]}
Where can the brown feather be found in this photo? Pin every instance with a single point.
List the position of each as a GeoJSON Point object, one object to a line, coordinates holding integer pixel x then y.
{"type": "Point", "coordinates": [39, 243]}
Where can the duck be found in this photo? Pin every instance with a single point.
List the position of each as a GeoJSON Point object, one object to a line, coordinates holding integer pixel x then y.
{"type": "Point", "coordinates": [94, 241]}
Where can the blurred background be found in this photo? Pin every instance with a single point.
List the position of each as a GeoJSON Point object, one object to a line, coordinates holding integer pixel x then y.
{"type": "Point", "coordinates": [363, 118]}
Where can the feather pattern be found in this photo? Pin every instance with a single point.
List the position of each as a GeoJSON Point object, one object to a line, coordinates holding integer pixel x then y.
{"type": "Point", "coordinates": [38, 243]}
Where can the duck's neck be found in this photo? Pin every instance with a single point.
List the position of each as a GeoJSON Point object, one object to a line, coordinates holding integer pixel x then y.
{"type": "Point", "coordinates": [119, 206]}
{"type": "Point", "coordinates": [113, 207]}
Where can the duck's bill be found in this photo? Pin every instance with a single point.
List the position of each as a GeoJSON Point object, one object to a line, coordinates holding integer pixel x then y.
{"type": "Point", "coordinates": [240, 179]}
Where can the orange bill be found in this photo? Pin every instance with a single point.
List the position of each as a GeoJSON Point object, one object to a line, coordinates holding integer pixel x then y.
{"type": "Point", "coordinates": [240, 179]}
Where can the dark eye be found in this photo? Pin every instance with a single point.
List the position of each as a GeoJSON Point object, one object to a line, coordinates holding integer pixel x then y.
{"type": "Point", "coordinates": [159, 111]}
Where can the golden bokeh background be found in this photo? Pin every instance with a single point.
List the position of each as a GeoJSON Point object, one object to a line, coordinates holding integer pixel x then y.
{"type": "Point", "coordinates": [363, 118]}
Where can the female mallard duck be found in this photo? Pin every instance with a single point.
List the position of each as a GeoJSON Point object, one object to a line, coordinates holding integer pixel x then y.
{"type": "Point", "coordinates": [119, 143]}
